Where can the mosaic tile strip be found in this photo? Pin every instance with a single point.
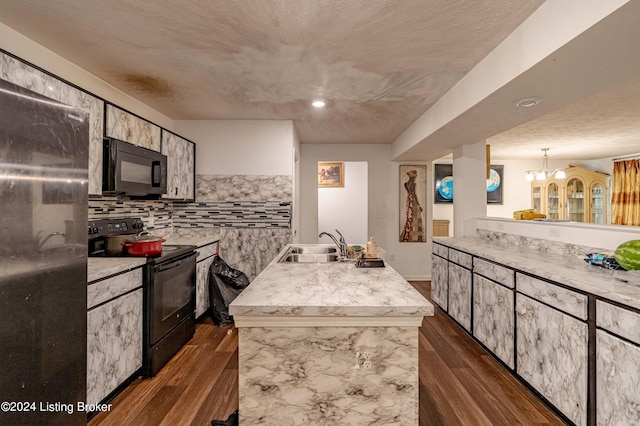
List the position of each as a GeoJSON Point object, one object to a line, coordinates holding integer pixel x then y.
{"type": "Point", "coordinates": [156, 215]}
{"type": "Point", "coordinates": [235, 214]}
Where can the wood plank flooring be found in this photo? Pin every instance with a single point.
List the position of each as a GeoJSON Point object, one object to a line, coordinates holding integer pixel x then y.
{"type": "Point", "coordinates": [460, 383]}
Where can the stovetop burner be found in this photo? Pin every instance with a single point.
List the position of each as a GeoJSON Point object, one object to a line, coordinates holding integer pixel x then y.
{"type": "Point", "coordinates": [99, 229]}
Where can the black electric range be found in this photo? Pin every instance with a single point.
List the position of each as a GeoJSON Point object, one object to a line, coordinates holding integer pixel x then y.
{"type": "Point", "coordinates": [169, 285]}
{"type": "Point", "coordinates": [100, 228]}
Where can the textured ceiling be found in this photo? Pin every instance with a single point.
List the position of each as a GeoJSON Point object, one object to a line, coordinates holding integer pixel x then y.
{"type": "Point", "coordinates": [603, 125]}
{"type": "Point", "coordinates": [379, 63]}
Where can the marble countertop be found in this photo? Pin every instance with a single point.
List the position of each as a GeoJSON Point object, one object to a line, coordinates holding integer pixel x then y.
{"type": "Point", "coordinates": [571, 271]}
{"type": "Point", "coordinates": [100, 267]}
{"type": "Point", "coordinates": [336, 289]}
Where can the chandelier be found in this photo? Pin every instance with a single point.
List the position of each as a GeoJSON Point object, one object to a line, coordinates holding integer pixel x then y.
{"type": "Point", "coordinates": [544, 172]}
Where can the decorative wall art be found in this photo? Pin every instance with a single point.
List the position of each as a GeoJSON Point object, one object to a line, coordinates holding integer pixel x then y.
{"type": "Point", "coordinates": [443, 184]}
{"type": "Point", "coordinates": [413, 191]}
{"type": "Point", "coordinates": [443, 178]}
{"type": "Point", "coordinates": [494, 185]}
{"type": "Point", "coordinates": [330, 175]}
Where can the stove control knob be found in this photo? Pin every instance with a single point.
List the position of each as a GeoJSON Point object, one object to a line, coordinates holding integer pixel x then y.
{"type": "Point", "coordinates": [95, 230]}
{"type": "Point", "coordinates": [90, 230]}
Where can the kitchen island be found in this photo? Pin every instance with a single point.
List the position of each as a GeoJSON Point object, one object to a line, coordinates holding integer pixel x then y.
{"type": "Point", "coordinates": [328, 343]}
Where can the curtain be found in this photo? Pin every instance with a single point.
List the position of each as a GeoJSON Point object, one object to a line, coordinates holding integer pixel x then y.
{"type": "Point", "coordinates": [625, 200]}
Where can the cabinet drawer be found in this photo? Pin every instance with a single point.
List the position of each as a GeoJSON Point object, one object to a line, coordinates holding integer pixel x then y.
{"type": "Point", "coordinates": [462, 259]}
{"type": "Point", "coordinates": [206, 251]}
{"type": "Point", "coordinates": [562, 299]}
{"type": "Point", "coordinates": [493, 271]}
{"type": "Point", "coordinates": [619, 321]}
{"type": "Point", "coordinates": [113, 287]}
{"type": "Point", "coordinates": [440, 250]}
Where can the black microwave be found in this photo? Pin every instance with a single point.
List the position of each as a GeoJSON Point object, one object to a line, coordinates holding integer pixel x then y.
{"type": "Point", "coordinates": [132, 170]}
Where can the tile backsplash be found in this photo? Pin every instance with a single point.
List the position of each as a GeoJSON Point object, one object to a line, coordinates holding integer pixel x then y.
{"type": "Point", "coordinates": [156, 214]}
{"type": "Point", "coordinates": [250, 202]}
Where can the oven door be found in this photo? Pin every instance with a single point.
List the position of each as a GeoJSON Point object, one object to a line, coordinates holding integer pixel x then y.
{"type": "Point", "coordinates": [171, 295]}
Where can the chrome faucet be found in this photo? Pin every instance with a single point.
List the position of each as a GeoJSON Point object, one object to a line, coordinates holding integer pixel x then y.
{"type": "Point", "coordinates": [53, 234]}
{"type": "Point", "coordinates": [341, 244]}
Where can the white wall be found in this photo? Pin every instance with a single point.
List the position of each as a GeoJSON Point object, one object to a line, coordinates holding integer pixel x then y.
{"type": "Point", "coordinates": [30, 51]}
{"type": "Point", "coordinates": [241, 147]}
{"type": "Point", "coordinates": [411, 260]}
{"type": "Point", "coordinates": [346, 209]}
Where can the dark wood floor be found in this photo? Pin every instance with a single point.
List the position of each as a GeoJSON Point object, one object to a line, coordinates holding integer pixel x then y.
{"type": "Point", "coordinates": [460, 383]}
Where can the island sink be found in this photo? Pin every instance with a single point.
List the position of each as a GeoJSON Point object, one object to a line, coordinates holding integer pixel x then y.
{"type": "Point", "coordinates": [325, 343]}
{"type": "Point", "coordinates": [309, 254]}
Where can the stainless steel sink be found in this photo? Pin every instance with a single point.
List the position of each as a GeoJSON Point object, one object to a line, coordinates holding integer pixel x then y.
{"type": "Point", "coordinates": [313, 250]}
{"type": "Point", "coordinates": [309, 258]}
{"type": "Point", "coordinates": [310, 254]}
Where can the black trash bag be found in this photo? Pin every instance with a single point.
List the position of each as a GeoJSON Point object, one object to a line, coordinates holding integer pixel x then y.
{"type": "Point", "coordinates": [225, 284]}
{"type": "Point", "coordinates": [231, 421]}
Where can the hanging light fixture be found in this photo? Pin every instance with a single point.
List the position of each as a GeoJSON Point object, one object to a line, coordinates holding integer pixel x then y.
{"type": "Point", "coordinates": [544, 172]}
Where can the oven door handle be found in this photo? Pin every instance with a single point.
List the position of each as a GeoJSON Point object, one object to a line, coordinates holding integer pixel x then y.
{"type": "Point", "coordinates": [174, 264]}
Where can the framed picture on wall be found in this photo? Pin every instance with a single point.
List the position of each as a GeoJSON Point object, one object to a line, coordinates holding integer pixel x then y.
{"type": "Point", "coordinates": [413, 194]}
{"type": "Point", "coordinates": [443, 184]}
{"type": "Point", "coordinates": [443, 180]}
{"type": "Point", "coordinates": [330, 174]}
{"type": "Point", "coordinates": [495, 184]}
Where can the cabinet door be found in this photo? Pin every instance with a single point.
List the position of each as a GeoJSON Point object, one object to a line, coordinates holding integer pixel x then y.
{"type": "Point", "coordinates": [180, 166]}
{"type": "Point", "coordinates": [618, 379]}
{"type": "Point", "coordinates": [536, 199]}
{"type": "Point", "coordinates": [551, 353]}
{"type": "Point", "coordinates": [575, 200]}
{"type": "Point", "coordinates": [554, 203]}
{"type": "Point", "coordinates": [598, 204]}
{"type": "Point", "coordinates": [130, 128]}
{"type": "Point", "coordinates": [460, 295]}
{"type": "Point", "coordinates": [114, 344]}
{"type": "Point", "coordinates": [202, 285]}
{"type": "Point", "coordinates": [493, 322]}
{"type": "Point", "coordinates": [439, 281]}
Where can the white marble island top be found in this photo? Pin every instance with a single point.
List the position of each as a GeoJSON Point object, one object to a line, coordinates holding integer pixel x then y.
{"type": "Point", "coordinates": [571, 271]}
{"type": "Point", "coordinates": [329, 290]}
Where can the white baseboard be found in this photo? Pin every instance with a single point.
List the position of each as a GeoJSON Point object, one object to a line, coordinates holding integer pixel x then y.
{"type": "Point", "coordinates": [417, 277]}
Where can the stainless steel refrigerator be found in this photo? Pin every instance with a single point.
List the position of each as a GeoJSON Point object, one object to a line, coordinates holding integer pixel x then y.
{"type": "Point", "coordinates": [43, 259]}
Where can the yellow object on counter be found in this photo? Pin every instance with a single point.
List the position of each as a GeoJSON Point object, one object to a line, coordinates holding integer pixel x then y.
{"type": "Point", "coordinates": [529, 214]}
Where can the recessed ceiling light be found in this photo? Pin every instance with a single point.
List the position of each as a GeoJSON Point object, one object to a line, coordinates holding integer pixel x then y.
{"type": "Point", "coordinates": [318, 103]}
{"type": "Point", "coordinates": [527, 102]}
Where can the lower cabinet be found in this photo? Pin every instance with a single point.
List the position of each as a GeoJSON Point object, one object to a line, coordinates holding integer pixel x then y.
{"type": "Point", "coordinates": [114, 344]}
{"type": "Point", "coordinates": [493, 318]}
{"type": "Point", "coordinates": [460, 295]}
{"type": "Point", "coordinates": [552, 355]}
{"type": "Point", "coordinates": [439, 281]}
{"type": "Point", "coordinates": [618, 379]}
{"type": "Point", "coordinates": [205, 259]}
{"type": "Point", "coordinates": [617, 365]}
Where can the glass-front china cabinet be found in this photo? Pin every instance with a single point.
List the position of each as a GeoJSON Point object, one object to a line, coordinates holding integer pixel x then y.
{"type": "Point", "coordinates": [583, 196]}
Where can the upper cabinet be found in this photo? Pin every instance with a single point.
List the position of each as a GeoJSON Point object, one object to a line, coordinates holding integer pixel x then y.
{"type": "Point", "coordinates": [583, 196]}
{"type": "Point", "coordinates": [130, 128]}
{"type": "Point", "coordinates": [180, 166]}
{"type": "Point", "coordinates": [24, 75]}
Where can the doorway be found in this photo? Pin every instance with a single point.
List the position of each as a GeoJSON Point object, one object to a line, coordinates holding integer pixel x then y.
{"type": "Point", "coordinates": [346, 208]}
